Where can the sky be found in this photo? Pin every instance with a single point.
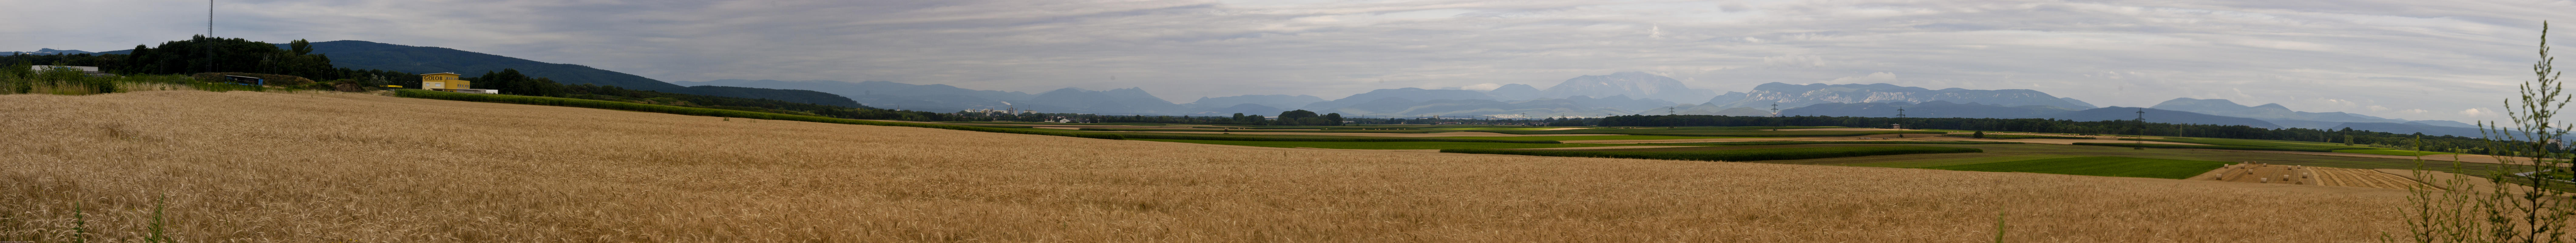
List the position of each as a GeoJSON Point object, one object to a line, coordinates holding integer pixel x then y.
{"type": "Point", "coordinates": [2407, 59]}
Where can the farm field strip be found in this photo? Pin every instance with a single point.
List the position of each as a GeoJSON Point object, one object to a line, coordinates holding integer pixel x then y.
{"type": "Point", "coordinates": [2360, 178]}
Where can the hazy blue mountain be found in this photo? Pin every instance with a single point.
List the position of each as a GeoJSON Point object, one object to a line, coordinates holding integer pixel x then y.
{"type": "Point", "coordinates": [2081, 104]}
{"type": "Point", "coordinates": [1127, 101]}
{"type": "Point", "coordinates": [1515, 92]}
{"type": "Point", "coordinates": [48, 51]}
{"type": "Point", "coordinates": [2282, 115]}
{"type": "Point", "coordinates": [1631, 84]}
{"type": "Point", "coordinates": [789, 95]}
{"type": "Point", "coordinates": [1246, 109]}
{"type": "Point", "coordinates": [2444, 123]}
{"type": "Point", "coordinates": [891, 95]}
{"type": "Point", "coordinates": [2158, 116]}
{"type": "Point", "coordinates": [1273, 101]}
{"type": "Point", "coordinates": [1621, 102]}
{"type": "Point", "coordinates": [1409, 94]}
{"type": "Point", "coordinates": [1932, 109]}
{"type": "Point", "coordinates": [1792, 95]}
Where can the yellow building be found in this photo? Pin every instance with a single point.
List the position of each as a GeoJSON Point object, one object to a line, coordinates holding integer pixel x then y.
{"type": "Point", "coordinates": [438, 81]}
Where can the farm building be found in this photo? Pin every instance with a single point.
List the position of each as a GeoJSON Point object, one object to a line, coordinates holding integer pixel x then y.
{"type": "Point", "coordinates": [451, 82]}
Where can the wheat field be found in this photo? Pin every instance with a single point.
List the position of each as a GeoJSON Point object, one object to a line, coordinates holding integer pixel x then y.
{"type": "Point", "coordinates": [317, 167]}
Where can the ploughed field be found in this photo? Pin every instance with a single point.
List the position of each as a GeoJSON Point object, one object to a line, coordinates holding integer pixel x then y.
{"type": "Point", "coordinates": [276, 167]}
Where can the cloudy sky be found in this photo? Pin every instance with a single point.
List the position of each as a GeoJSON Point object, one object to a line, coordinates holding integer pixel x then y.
{"type": "Point", "coordinates": [2406, 59]}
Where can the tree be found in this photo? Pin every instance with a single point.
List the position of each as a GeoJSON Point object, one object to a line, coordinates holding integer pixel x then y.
{"type": "Point", "coordinates": [2503, 214]}
{"type": "Point", "coordinates": [1978, 135]}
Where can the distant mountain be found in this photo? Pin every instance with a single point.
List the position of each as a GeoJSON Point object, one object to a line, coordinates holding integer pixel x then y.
{"type": "Point", "coordinates": [2159, 116]}
{"type": "Point", "coordinates": [1631, 84]}
{"type": "Point", "coordinates": [1127, 101]}
{"type": "Point", "coordinates": [891, 95]}
{"type": "Point", "coordinates": [1515, 92]}
{"type": "Point", "coordinates": [2083, 104]}
{"type": "Point", "coordinates": [1407, 94]}
{"type": "Point", "coordinates": [1273, 101]}
{"type": "Point", "coordinates": [788, 95]}
{"type": "Point", "coordinates": [1932, 109]}
{"type": "Point", "coordinates": [47, 51]}
{"type": "Point", "coordinates": [1246, 109]}
{"type": "Point", "coordinates": [2278, 114]}
{"type": "Point", "coordinates": [1791, 95]}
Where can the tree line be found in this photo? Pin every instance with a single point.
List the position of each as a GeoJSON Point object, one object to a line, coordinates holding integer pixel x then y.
{"type": "Point", "coordinates": [2345, 135]}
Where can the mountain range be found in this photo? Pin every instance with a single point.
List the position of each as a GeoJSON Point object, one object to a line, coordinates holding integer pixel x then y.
{"type": "Point", "coordinates": [1619, 93]}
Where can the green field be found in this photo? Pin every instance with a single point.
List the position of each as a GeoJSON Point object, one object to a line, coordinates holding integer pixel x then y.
{"type": "Point", "coordinates": [1500, 128]}
{"type": "Point", "coordinates": [1823, 142]}
{"type": "Point", "coordinates": [2007, 136]}
{"type": "Point", "coordinates": [1712, 132]}
{"type": "Point", "coordinates": [2098, 166]}
{"type": "Point", "coordinates": [2300, 146]}
{"type": "Point", "coordinates": [1957, 161]}
{"type": "Point", "coordinates": [1749, 154]}
{"type": "Point", "coordinates": [1133, 129]}
{"type": "Point", "coordinates": [2389, 152]}
{"type": "Point", "coordinates": [1391, 145]}
{"type": "Point", "coordinates": [1601, 137]}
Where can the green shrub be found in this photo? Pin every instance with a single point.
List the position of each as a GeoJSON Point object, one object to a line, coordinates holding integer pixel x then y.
{"type": "Point", "coordinates": [1733, 154]}
{"type": "Point", "coordinates": [614, 105]}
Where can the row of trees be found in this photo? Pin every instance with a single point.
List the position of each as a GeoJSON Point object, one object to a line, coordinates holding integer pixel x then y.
{"type": "Point", "coordinates": [2345, 135]}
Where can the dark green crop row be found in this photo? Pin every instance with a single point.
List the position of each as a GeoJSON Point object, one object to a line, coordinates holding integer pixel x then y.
{"type": "Point", "coordinates": [1123, 129]}
{"type": "Point", "coordinates": [1303, 138]}
{"type": "Point", "coordinates": [613, 105]}
{"type": "Point", "coordinates": [1825, 142]}
{"type": "Point", "coordinates": [1733, 154]}
{"type": "Point", "coordinates": [2227, 147]}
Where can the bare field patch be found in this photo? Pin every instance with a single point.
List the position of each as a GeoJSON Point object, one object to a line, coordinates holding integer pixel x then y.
{"type": "Point", "coordinates": [269, 167]}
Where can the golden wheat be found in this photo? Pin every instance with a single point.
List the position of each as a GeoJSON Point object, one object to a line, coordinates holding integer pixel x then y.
{"type": "Point", "coordinates": [274, 167]}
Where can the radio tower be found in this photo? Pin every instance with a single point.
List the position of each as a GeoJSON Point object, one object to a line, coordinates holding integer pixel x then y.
{"type": "Point", "coordinates": [1668, 110]}
{"type": "Point", "coordinates": [2142, 129]}
{"type": "Point", "coordinates": [1900, 121]}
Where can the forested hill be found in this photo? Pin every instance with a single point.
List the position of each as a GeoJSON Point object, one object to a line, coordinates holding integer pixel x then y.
{"type": "Point", "coordinates": [362, 55]}
{"type": "Point", "coordinates": [423, 59]}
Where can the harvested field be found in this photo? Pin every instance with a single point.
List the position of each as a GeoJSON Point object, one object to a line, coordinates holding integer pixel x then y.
{"type": "Point", "coordinates": [2262, 173]}
{"type": "Point", "coordinates": [272, 167]}
{"type": "Point", "coordinates": [2361, 178]}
